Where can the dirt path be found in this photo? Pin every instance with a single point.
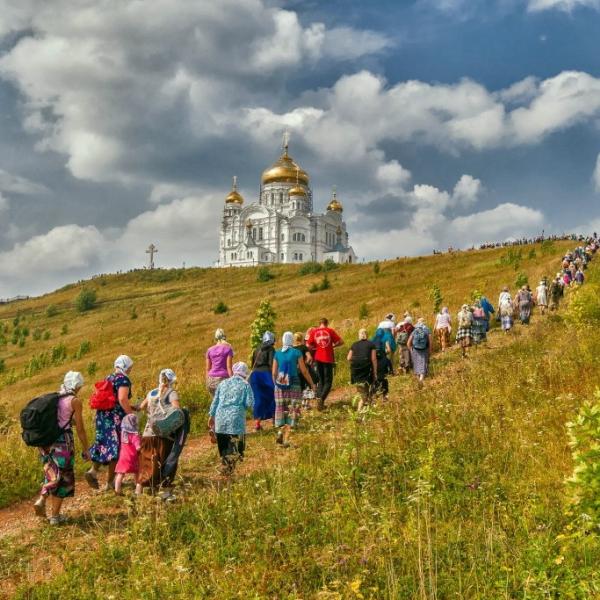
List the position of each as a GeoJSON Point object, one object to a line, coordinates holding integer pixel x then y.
{"type": "Point", "coordinates": [19, 519]}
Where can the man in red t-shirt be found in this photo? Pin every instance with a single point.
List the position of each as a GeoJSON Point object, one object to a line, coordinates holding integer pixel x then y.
{"type": "Point", "coordinates": [322, 341]}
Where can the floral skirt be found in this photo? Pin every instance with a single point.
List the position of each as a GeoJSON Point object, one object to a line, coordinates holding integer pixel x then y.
{"type": "Point", "coordinates": [443, 337]}
{"type": "Point", "coordinates": [420, 361]}
{"type": "Point", "coordinates": [507, 322]}
{"type": "Point", "coordinates": [108, 435]}
{"type": "Point", "coordinates": [59, 462]}
{"type": "Point", "coordinates": [287, 405]}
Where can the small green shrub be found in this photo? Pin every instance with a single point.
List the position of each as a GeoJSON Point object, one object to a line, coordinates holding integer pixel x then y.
{"type": "Point", "coordinates": [521, 280]}
{"type": "Point", "coordinates": [363, 311]}
{"type": "Point", "coordinates": [511, 258]}
{"type": "Point", "coordinates": [86, 300]}
{"type": "Point", "coordinates": [264, 321]}
{"type": "Point", "coordinates": [435, 295]}
{"type": "Point", "coordinates": [310, 268]}
{"type": "Point", "coordinates": [133, 313]}
{"type": "Point", "coordinates": [51, 310]}
{"type": "Point", "coordinates": [532, 254]}
{"type": "Point", "coordinates": [320, 287]}
{"type": "Point", "coordinates": [330, 265]}
{"type": "Point", "coordinates": [64, 330]}
{"type": "Point", "coordinates": [22, 342]}
{"type": "Point", "coordinates": [584, 307]}
{"type": "Point", "coordinates": [376, 267]}
{"type": "Point", "coordinates": [2, 365]}
{"type": "Point", "coordinates": [264, 274]}
{"type": "Point", "coordinates": [84, 348]}
{"type": "Point", "coordinates": [547, 247]}
{"type": "Point", "coordinates": [47, 334]}
{"type": "Point", "coordinates": [58, 354]}
{"type": "Point", "coordinates": [37, 335]}
{"type": "Point", "coordinates": [92, 369]}
{"type": "Point", "coordinates": [220, 308]}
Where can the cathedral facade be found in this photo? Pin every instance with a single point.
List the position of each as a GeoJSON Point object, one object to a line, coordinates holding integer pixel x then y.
{"type": "Point", "coordinates": [282, 227]}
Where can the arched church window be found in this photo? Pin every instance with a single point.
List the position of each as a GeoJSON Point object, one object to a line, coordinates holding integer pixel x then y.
{"type": "Point", "coordinates": [260, 233]}
{"type": "Point", "coordinates": [280, 197]}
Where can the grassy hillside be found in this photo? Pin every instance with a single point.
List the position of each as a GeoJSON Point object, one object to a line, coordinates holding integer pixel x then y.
{"type": "Point", "coordinates": [166, 318]}
{"type": "Point", "coordinates": [456, 490]}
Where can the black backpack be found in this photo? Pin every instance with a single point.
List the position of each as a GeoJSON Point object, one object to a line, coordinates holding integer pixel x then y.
{"type": "Point", "coordinates": [39, 420]}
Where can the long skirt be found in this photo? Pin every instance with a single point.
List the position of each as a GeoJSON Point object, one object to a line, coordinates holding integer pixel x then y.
{"type": "Point", "coordinates": [507, 322]}
{"type": "Point", "coordinates": [287, 405]}
{"type": "Point", "coordinates": [59, 463]}
{"type": "Point", "coordinates": [524, 313]}
{"type": "Point", "coordinates": [420, 361]}
{"type": "Point", "coordinates": [108, 435]}
{"type": "Point", "coordinates": [263, 390]}
{"type": "Point", "coordinates": [479, 330]}
{"type": "Point", "coordinates": [230, 444]}
{"type": "Point", "coordinates": [153, 454]}
{"type": "Point", "coordinates": [405, 360]}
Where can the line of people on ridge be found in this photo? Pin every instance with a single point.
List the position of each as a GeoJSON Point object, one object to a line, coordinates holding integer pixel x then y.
{"type": "Point", "coordinates": [276, 386]}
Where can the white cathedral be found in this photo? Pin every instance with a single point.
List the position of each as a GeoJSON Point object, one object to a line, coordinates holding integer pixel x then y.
{"type": "Point", "coordinates": [281, 227]}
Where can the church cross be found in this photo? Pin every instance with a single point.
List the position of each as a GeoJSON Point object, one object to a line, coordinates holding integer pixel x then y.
{"type": "Point", "coordinates": [152, 250]}
{"type": "Point", "coordinates": [286, 140]}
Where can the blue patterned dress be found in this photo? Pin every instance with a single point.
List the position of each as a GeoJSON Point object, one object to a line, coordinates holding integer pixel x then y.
{"type": "Point", "coordinates": [108, 425]}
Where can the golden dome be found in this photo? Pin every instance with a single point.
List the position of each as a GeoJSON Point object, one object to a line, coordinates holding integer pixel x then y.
{"type": "Point", "coordinates": [297, 191]}
{"type": "Point", "coordinates": [234, 196]}
{"type": "Point", "coordinates": [335, 205]}
{"type": "Point", "coordinates": [285, 170]}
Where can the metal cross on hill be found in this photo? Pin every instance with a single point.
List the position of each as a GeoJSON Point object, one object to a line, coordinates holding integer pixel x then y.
{"type": "Point", "coordinates": [152, 250]}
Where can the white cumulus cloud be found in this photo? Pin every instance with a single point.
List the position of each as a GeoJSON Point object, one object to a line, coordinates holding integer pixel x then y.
{"type": "Point", "coordinates": [565, 5]}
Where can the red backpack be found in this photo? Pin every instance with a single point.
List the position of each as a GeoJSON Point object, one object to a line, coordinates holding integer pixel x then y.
{"type": "Point", "coordinates": [103, 397]}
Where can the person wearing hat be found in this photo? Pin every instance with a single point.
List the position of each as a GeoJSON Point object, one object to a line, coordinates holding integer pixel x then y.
{"type": "Point", "coordinates": [227, 416]}
{"type": "Point", "coordinates": [59, 458]}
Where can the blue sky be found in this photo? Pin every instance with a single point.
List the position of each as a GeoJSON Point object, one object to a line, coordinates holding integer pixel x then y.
{"type": "Point", "coordinates": [441, 122]}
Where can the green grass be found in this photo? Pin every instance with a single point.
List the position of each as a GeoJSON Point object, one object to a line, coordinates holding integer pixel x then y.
{"type": "Point", "coordinates": [456, 490]}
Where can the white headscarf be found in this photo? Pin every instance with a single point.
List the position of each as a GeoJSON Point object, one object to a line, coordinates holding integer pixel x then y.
{"type": "Point", "coordinates": [169, 375]}
{"type": "Point", "coordinates": [123, 363]}
{"type": "Point", "coordinates": [241, 370]}
{"type": "Point", "coordinates": [72, 382]}
{"type": "Point", "coordinates": [287, 341]}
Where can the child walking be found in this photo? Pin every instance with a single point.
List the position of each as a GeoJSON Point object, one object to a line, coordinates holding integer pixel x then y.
{"type": "Point", "coordinates": [128, 455]}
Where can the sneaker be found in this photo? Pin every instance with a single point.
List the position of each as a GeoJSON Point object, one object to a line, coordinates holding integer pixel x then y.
{"type": "Point", "coordinates": [39, 507]}
{"type": "Point", "coordinates": [59, 520]}
{"type": "Point", "coordinates": [91, 479]}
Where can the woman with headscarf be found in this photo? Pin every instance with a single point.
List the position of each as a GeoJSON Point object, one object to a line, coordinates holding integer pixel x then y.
{"type": "Point", "coordinates": [105, 450]}
{"type": "Point", "coordinates": [419, 344]}
{"type": "Point", "coordinates": [383, 364]}
{"type": "Point", "coordinates": [288, 363]}
{"type": "Point", "coordinates": [227, 416]}
{"type": "Point", "coordinates": [307, 393]}
{"type": "Point", "coordinates": [506, 309]}
{"type": "Point", "coordinates": [402, 334]}
{"type": "Point", "coordinates": [363, 367]}
{"type": "Point", "coordinates": [156, 448]}
{"type": "Point", "coordinates": [443, 327]}
{"type": "Point", "coordinates": [523, 302]}
{"type": "Point", "coordinates": [480, 323]}
{"type": "Point", "coordinates": [464, 333]}
{"type": "Point", "coordinates": [261, 380]}
{"type": "Point", "coordinates": [219, 359]}
{"type": "Point", "coordinates": [58, 459]}
{"type": "Point", "coordinates": [541, 296]}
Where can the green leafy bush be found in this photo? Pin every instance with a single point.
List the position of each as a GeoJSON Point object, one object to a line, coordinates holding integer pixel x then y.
{"type": "Point", "coordinates": [435, 295]}
{"type": "Point", "coordinates": [264, 274]}
{"type": "Point", "coordinates": [84, 348]}
{"type": "Point", "coordinates": [310, 268]}
{"type": "Point", "coordinates": [51, 310]}
{"type": "Point", "coordinates": [37, 334]}
{"type": "Point", "coordinates": [320, 287]}
{"type": "Point", "coordinates": [64, 330]}
{"type": "Point", "coordinates": [363, 311]}
{"type": "Point", "coordinates": [92, 369]}
{"type": "Point", "coordinates": [584, 307]}
{"type": "Point", "coordinates": [86, 300]}
{"type": "Point", "coordinates": [2, 365]}
{"type": "Point", "coordinates": [47, 334]}
{"type": "Point", "coordinates": [376, 267]}
{"type": "Point", "coordinates": [220, 308]}
{"type": "Point", "coordinates": [330, 265]}
{"type": "Point", "coordinates": [521, 279]}
{"type": "Point", "coordinates": [264, 321]}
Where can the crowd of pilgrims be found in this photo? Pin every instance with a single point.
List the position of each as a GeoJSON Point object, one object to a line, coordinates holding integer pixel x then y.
{"type": "Point", "coordinates": [281, 381]}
